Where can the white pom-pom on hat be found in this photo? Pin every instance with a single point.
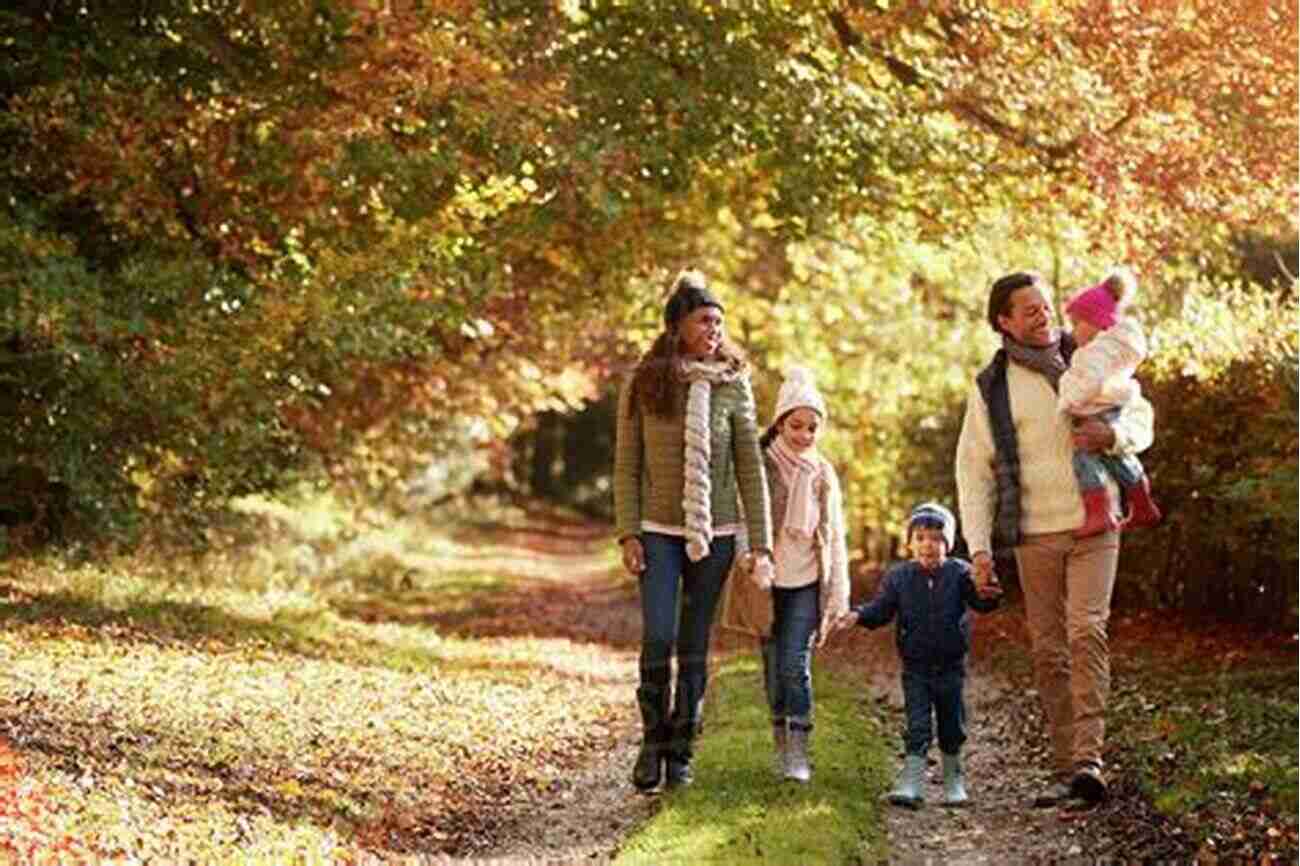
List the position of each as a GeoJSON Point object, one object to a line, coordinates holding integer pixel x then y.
{"type": "Point", "coordinates": [692, 277]}
{"type": "Point", "coordinates": [1121, 283]}
{"type": "Point", "coordinates": [801, 376]}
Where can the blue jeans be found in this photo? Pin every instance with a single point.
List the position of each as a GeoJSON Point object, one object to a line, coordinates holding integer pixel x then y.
{"type": "Point", "coordinates": [938, 690]}
{"type": "Point", "coordinates": [670, 581]}
{"type": "Point", "coordinates": [787, 654]}
{"type": "Point", "coordinates": [1089, 469]}
{"type": "Point", "coordinates": [1127, 470]}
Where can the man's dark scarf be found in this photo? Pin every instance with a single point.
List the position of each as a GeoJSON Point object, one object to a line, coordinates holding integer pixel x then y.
{"type": "Point", "coordinates": [1051, 362]}
{"type": "Point", "coordinates": [1047, 360]}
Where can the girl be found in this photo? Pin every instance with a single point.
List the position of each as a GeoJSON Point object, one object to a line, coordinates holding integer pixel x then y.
{"type": "Point", "coordinates": [686, 446]}
{"type": "Point", "coordinates": [1097, 383]}
{"type": "Point", "coordinates": [810, 588]}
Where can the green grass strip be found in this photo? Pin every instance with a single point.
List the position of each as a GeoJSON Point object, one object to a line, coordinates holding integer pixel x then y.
{"type": "Point", "coordinates": [739, 812]}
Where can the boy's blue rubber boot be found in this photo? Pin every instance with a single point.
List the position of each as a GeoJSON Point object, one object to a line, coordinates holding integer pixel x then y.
{"type": "Point", "coordinates": [797, 767]}
{"type": "Point", "coordinates": [954, 785]}
{"type": "Point", "coordinates": [907, 788]}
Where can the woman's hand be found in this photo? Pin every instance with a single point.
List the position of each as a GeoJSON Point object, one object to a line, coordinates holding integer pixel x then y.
{"type": "Point", "coordinates": [633, 556]}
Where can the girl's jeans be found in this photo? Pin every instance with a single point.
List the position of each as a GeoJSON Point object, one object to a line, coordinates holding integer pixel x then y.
{"type": "Point", "coordinates": [670, 581]}
{"type": "Point", "coordinates": [934, 689]}
{"type": "Point", "coordinates": [787, 654]}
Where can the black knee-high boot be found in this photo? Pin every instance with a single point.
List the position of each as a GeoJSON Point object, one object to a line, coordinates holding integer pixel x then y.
{"type": "Point", "coordinates": [686, 724]}
{"type": "Point", "coordinates": [655, 733]}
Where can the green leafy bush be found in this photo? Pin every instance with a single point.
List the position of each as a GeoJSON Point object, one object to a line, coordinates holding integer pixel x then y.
{"type": "Point", "coordinates": [1223, 382]}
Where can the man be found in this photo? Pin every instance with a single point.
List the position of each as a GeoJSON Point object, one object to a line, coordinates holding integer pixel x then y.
{"type": "Point", "coordinates": [1017, 491]}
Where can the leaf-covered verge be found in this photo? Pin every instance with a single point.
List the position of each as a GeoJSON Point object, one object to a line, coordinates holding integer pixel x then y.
{"type": "Point", "coordinates": [1201, 737]}
{"type": "Point", "coordinates": [1206, 721]}
{"type": "Point", "coordinates": [154, 710]}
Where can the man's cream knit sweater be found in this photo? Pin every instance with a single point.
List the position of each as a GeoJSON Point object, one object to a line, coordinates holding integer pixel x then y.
{"type": "Point", "coordinates": [1050, 500]}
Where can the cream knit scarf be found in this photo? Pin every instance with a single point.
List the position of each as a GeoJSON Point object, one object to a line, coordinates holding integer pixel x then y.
{"type": "Point", "coordinates": [697, 491]}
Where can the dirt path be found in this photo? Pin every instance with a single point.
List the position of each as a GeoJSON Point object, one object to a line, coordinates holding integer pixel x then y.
{"type": "Point", "coordinates": [584, 816]}
{"type": "Point", "coordinates": [1004, 760]}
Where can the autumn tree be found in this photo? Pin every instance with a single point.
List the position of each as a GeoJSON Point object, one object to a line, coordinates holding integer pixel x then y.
{"type": "Point", "coordinates": [242, 235]}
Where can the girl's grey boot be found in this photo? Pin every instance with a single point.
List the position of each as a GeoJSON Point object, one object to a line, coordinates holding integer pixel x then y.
{"type": "Point", "coordinates": [907, 789]}
{"type": "Point", "coordinates": [954, 785]}
{"type": "Point", "coordinates": [780, 737]}
{"type": "Point", "coordinates": [796, 755]}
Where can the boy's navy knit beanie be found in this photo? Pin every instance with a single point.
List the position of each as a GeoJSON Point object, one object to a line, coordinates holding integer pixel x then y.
{"type": "Point", "coordinates": [933, 512]}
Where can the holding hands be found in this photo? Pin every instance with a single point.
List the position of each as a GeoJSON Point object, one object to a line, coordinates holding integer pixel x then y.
{"type": "Point", "coordinates": [761, 570]}
{"type": "Point", "coordinates": [986, 578]}
{"type": "Point", "coordinates": [848, 619]}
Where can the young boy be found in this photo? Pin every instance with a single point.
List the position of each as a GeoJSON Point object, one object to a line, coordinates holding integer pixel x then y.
{"type": "Point", "coordinates": [930, 594]}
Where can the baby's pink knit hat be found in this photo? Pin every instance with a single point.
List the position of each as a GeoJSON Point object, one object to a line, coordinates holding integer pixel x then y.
{"type": "Point", "coordinates": [1099, 305]}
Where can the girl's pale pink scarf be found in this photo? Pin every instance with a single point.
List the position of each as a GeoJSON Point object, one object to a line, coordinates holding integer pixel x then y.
{"type": "Point", "coordinates": [800, 473]}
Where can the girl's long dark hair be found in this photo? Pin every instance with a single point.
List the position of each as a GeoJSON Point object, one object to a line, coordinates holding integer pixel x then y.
{"type": "Point", "coordinates": [652, 383]}
{"type": "Point", "coordinates": [769, 435]}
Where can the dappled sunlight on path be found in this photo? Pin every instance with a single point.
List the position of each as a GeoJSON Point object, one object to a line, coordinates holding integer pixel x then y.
{"type": "Point", "coordinates": [474, 701]}
{"type": "Point", "coordinates": [519, 581]}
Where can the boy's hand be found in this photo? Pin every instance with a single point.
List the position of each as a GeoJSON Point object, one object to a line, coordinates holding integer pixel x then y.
{"type": "Point", "coordinates": [848, 619]}
{"type": "Point", "coordinates": [982, 564]}
{"type": "Point", "coordinates": [991, 589]}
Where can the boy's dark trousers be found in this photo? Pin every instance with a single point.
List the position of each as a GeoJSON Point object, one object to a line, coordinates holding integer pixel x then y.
{"type": "Point", "coordinates": [934, 690]}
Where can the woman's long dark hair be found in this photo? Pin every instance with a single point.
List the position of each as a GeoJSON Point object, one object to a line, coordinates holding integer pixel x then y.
{"type": "Point", "coordinates": [652, 383]}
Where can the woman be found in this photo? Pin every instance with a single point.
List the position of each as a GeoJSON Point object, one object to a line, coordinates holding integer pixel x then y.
{"type": "Point", "coordinates": [686, 445]}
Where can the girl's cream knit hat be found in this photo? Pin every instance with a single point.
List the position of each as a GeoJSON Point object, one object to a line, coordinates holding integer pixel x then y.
{"type": "Point", "coordinates": [799, 391]}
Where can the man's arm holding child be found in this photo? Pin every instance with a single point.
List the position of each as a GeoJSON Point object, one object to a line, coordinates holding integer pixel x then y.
{"type": "Point", "coordinates": [1130, 433]}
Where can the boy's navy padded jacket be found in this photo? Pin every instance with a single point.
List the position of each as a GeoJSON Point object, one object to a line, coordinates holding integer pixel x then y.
{"type": "Point", "coordinates": [933, 624]}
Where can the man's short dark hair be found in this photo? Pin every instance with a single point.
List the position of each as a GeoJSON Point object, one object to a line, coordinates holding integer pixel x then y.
{"type": "Point", "coordinates": [1003, 289]}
